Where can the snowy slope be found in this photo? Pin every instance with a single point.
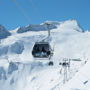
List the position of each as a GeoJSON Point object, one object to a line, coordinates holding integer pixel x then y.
{"type": "Point", "coordinates": [81, 81]}
{"type": "Point", "coordinates": [19, 70]}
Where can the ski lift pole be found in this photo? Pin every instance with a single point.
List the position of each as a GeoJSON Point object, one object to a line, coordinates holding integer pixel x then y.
{"type": "Point", "coordinates": [47, 25]}
{"type": "Point", "coordinates": [48, 29]}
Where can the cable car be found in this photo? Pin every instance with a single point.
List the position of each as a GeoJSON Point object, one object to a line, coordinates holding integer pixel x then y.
{"type": "Point", "coordinates": [42, 50]}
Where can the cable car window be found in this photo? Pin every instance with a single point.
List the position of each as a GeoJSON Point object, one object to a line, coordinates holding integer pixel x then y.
{"type": "Point", "coordinates": [41, 50]}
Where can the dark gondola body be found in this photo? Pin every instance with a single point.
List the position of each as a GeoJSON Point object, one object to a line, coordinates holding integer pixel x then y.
{"type": "Point", "coordinates": [41, 50]}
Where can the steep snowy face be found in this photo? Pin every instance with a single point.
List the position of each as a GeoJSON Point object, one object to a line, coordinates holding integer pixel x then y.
{"type": "Point", "coordinates": [71, 25]}
{"type": "Point", "coordinates": [3, 32]}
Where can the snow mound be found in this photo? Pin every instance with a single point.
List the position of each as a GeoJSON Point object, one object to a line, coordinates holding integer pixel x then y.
{"type": "Point", "coordinates": [3, 32]}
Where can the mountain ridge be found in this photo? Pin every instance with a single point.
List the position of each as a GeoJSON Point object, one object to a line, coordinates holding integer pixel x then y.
{"type": "Point", "coordinates": [37, 27]}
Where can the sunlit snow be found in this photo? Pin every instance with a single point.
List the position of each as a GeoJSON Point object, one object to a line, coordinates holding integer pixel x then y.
{"type": "Point", "coordinates": [20, 71]}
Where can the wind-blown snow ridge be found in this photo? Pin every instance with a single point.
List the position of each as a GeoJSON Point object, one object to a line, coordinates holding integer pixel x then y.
{"type": "Point", "coordinates": [19, 71]}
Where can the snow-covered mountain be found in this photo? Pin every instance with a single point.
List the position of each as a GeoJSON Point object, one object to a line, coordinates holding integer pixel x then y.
{"type": "Point", "coordinates": [20, 71]}
{"type": "Point", "coordinates": [3, 32]}
{"type": "Point", "coordinates": [41, 27]}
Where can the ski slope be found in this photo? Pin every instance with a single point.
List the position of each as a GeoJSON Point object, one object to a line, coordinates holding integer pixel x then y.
{"type": "Point", "coordinates": [20, 71]}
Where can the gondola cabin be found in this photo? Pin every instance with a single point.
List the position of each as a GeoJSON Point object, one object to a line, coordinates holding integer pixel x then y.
{"type": "Point", "coordinates": [41, 50]}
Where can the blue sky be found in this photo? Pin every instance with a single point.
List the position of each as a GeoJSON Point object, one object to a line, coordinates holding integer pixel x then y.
{"type": "Point", "coordinates": [53, 10]}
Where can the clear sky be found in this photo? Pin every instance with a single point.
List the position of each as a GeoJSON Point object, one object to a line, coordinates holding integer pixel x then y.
{"type": "Point", "coordinates": [53, 10]}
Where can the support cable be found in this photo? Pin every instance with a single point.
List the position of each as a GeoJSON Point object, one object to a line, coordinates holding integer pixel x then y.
{"type": "Point", "coordinates": [22, 10]}
{"type": "Point", "coordinates": [36, 10]}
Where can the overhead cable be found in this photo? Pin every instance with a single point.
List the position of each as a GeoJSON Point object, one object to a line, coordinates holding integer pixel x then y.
{"type": "Point", "coordinates": [36, 10]}
{"type": "Point", "coordinates": [22, 10]}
